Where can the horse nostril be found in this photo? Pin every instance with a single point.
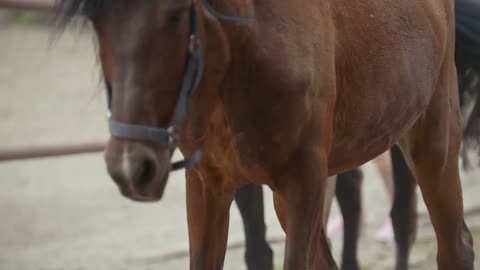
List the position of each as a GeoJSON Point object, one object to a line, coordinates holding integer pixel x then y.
{"type": "Point", "coordinates": [143, 172]}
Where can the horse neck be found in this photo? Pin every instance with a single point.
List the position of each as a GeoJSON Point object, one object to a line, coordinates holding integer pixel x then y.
{"type": "Point", "coordinates": [241, 45]}
{"type": "Point", "coordinates": [235, 8]}
{"type": "Point", "coordinates": [238, 34]}
{"type": "Point", "coordinates": [212, 107]}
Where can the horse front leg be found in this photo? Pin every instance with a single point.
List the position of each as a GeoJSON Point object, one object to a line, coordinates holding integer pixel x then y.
{"type": "Point", "coordinates": [300, 204]}
{"type": "Point", "coordinates": [208, 219]}
{"type": "Point", "coordinates": [258, 254]}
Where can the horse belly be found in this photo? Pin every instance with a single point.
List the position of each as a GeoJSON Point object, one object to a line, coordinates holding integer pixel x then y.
{"type": "Point", "coordinates": [365, 141]}
{"type": "Point", "coordinates": [373, 113]}
{"type": "Point", "coordinates": [387, 70]}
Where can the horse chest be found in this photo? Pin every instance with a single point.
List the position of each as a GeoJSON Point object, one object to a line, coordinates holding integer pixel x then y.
{"type": "Point", "coordinates": [244, 152]}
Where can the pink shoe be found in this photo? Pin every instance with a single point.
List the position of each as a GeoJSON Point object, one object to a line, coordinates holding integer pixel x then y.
{"type": "Point", "coordinates": [385, 233]}
{"type": "Point", "coordinates": [335, 227]}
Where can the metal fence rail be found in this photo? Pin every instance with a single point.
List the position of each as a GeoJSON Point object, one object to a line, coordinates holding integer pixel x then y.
{"type": "Point", "coordinates": [39, 5]}
{"type": "Point", "coordinates": [11, 153]}
{"type": "Point", "coordinates": [43, 151]}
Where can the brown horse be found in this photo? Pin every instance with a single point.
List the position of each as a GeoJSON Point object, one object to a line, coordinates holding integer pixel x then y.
{"type": "Point", "coordinates": [279, 99]}
{"type": "Point", "coordinates": [403, 214]}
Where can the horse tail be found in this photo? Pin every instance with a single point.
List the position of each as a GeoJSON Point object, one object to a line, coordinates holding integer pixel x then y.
{"type": "Point", "coordinates": [467, 58]}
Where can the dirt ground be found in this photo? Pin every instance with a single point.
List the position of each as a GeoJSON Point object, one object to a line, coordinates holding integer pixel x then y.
{"type": "Point", "coordinates": [66, 214]}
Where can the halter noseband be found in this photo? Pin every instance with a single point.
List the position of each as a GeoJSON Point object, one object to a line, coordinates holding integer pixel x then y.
{"type": "Point", "coordinates": [191, 80]}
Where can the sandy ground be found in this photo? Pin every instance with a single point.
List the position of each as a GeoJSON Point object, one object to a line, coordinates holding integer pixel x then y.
{"type": "Point", "coordinates": [66, 214]}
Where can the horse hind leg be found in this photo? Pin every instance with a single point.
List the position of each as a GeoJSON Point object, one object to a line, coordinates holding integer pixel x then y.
{"type": "Point", "coordinates": [258, 254]}
{"type": "Point", "coordinates": [431, 149]}
{"type": "Point", "coordinates": [403, 213]}
{"type": "Point", "coordinates": [348, 193]}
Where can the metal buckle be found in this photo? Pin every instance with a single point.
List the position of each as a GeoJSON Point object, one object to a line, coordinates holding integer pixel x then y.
{"type": "Point", "coordinates": [193, 44]}
{"type": "Point", "coordinates": [173, 132]}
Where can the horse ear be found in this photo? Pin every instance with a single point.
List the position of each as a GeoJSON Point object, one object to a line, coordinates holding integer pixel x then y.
{"type": "Point", "coordinates": [215, 44]}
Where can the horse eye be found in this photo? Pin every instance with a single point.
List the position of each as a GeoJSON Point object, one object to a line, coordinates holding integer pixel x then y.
{"type": "Point", "coordinates": [176, 16]}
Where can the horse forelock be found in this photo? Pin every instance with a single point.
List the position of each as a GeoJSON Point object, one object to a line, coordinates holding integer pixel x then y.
{"type": "Point", "coordinates": [68, 9]}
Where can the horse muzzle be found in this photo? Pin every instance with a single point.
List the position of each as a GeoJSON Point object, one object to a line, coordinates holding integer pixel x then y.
{"type": "Point", "coordinates": [140, 170]}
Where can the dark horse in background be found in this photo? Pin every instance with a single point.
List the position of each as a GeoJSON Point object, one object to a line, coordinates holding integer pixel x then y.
{"type": "Point", "coordinates": [348, 187]}
{"type": "Point", "coordinates": [278, 101]}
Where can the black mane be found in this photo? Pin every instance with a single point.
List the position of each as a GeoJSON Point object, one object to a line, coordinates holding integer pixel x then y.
{"type": "Point", "coordinates": [68, 9]}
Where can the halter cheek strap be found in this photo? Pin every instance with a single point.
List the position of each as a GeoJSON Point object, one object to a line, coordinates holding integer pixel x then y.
{"type": "Point", "coordinates": [191, 80]}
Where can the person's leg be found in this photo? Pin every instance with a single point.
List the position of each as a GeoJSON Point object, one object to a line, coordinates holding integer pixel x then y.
{"type": "Point", "coordinates": [384, 166]}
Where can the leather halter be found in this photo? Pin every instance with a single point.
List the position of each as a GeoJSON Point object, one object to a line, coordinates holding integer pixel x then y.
{"type": "Point", "coordinates": [191, 80]}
